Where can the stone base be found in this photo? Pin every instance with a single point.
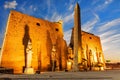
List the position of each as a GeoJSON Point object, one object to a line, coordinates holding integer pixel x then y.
{"type": "Point", "coordinates": [29, 71]}
{"type": "Point", "coordinates": [97, 68]}
{"type": "Point", "coordinates": [101, 68]}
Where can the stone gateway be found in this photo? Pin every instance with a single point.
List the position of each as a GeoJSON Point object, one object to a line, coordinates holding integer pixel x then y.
{"type": "Point", "coordinates": [44, 35]}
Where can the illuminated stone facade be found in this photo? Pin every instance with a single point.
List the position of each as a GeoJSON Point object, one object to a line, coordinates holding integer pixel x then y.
{"type": "Point", "coordinates": [49, 49]}
{"type": "Point", "coordinates": [92, 57]}
{"type": "Point", "coordinates": [43, 35]}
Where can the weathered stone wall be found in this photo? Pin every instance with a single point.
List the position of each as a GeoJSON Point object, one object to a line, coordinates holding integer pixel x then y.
{"type": "Point", "coordinates": [42, 33]}
{"type": "Point", "coordinates": [91, 45]}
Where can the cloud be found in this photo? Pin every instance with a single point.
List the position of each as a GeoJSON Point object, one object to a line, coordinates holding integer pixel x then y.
{"type": "Point", "coordinates": [23, 6]}
{"type": "Point", "coordinates": [28, 8]}
{"type": "Point", "coordinates": [95, 2]}
{"type": "Point", "coordinates": [111, 45]}
{"type": "Point", "coordinates": [33, 8]}
{"type": "Point", "coordinates": [68, 17]}
{"type": "Point", "coordinates": [114, 23]}
{"type": "Point", "coordinates": [107, 1]}
{"type": "Point", "coordinates": [70, 4]}
{"type": "Point", "coordinates": [67, 36]}
{"type": "Point", "coordinates": [109, 37]}
{"type": "Point", "coordinates": [10, 5]}
{"type": "Point", "coordinates": [103, 5]}
{"type": "Point", "coordinates": [107, 34]}
{"type": "Point", "coordinates": [89, 24]}
{"type": "Point", "coordinates": [48, 2]}
{"type": "Point", "coordinates": [55, 17]}
{"type": "Point", "coordinates": [71, 7]}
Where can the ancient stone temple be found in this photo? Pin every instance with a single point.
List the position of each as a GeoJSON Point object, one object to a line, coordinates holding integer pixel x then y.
{"type": "Point", "coordinates": [44, 35]}
{"type": "Point", "coordinates": [32, 44]}
{"type": "Point", "coordinates": [92, 57]}
{"type": "Point", "coordinates": [85, 50]}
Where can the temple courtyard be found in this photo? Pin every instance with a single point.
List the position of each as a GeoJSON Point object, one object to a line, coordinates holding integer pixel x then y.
{"type": "Point", "coordinates": [89, 75]}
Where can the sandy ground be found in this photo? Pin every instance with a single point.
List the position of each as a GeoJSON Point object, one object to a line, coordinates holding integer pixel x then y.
{"type": "Point", "coordinates": [90, 75]}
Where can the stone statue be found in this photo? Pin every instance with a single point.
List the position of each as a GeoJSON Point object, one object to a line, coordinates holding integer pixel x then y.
{"type": "Point", "coordinates": [53, 57]}
{"type": "Point", "coordinates": [53, 54]}
{"type": "Point", "coordinates": [29, 54]}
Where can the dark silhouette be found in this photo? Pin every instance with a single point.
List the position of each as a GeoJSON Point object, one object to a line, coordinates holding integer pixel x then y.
{"type": "Point", "coordinates": [49, 49]}
{"type": "Point", "coordinates": [39, 58]}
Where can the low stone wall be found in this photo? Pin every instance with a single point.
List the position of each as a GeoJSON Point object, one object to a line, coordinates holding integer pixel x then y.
{"type": "Point", "coordinates": [6, 71]}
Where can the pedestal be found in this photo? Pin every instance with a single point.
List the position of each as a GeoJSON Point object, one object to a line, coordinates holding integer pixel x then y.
{"type": "Point", "coordinates": [101, 68]}
{"type": "Point", "coordinates": [95, 68]}
{"type": "Point", "coordinates": [29, 71]}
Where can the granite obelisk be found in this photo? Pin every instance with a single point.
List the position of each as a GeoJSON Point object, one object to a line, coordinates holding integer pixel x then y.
{"type": "Point", "coordinates": [77, 38]}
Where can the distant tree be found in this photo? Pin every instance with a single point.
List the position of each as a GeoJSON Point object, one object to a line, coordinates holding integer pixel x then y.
{"type": "Point", "coordinates": [118, 63]}
{"type": "Point", "coordinates": [108, 61]}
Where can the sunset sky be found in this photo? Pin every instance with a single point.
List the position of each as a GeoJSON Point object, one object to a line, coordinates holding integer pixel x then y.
{"type": "Point", "coordinates": [100, 17]}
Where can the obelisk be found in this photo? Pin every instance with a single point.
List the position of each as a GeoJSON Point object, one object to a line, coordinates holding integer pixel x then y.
{"type": "Point", "coordinates": [77, 38]}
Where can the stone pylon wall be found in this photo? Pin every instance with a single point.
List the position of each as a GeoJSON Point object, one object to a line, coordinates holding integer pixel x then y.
{"type": "Point", "coordinates": [43, 34]}
{"type": "Point", "coordinates": [91, 45]}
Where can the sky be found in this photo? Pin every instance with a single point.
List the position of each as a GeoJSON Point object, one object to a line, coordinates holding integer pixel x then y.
{"type": "Point", "coordinates": [100, 17]}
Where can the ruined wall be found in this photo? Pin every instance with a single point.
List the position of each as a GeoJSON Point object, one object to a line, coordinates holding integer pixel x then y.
{"type": "Point", "coordinates": [43, 34]}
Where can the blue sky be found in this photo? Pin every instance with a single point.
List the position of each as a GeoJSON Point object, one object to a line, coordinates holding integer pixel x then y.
{"type": "Point", "coordinates": [100, 17]}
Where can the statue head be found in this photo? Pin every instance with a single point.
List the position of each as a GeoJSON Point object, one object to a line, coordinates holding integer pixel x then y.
{"type": "Point", "coordinates": [29, 44]}
{"type": "Point", "coordinates": [54, 48]}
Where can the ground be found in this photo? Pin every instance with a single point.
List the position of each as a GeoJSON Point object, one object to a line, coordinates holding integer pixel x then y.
{"type": "Point", "coordinates": [90, 75]}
